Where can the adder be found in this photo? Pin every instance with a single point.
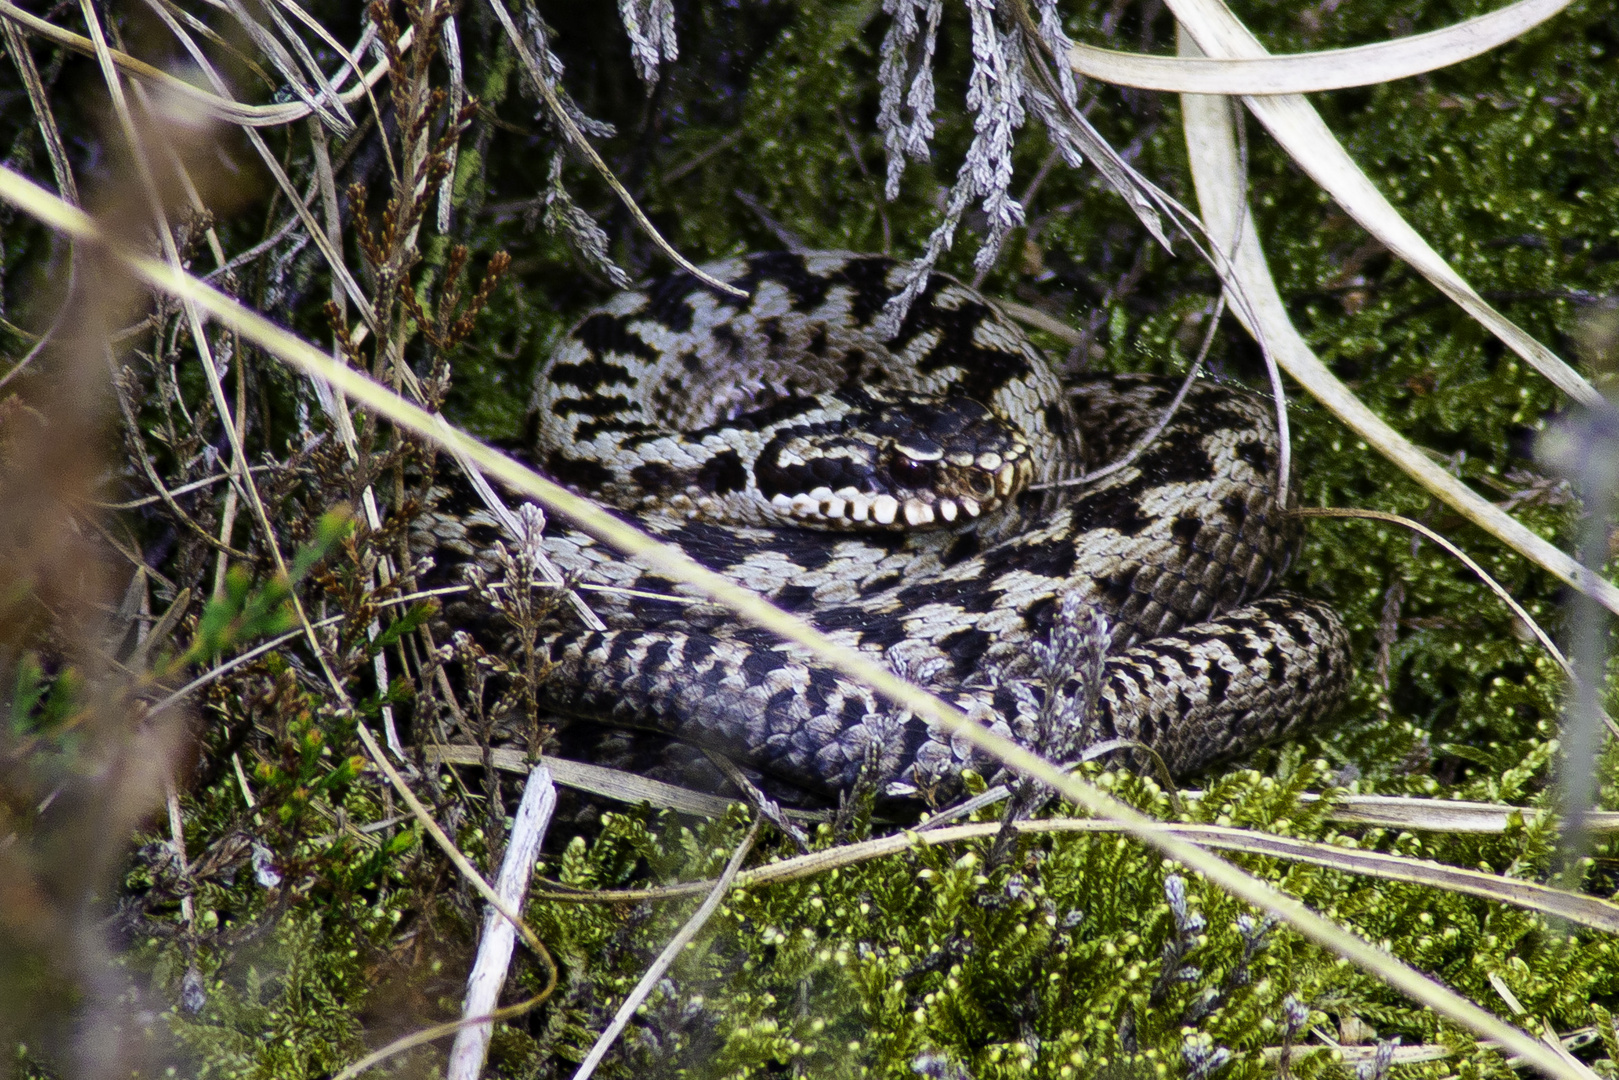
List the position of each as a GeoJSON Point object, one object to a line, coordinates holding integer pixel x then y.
{"type": "Point", "coordinates": [911, 498]}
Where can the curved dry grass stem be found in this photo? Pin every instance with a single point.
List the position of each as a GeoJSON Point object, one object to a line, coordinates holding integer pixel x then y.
{"type": "Point", "coordinates": [218, 106]}
{"type": "Point", "coordinates": [199, 336]}
{"type": "Point", "coordinates": [447, 845]}
{"type": "Point", "coordinates": [1461, 556]}
{"type": "Point", "coordinates": [1150, 436]}
{"type": "Point", "coordinates": [667, 560]}
{"type": "Point", "coordinates": [1295, 124]}
{"type": "Point", "coordinates": [1531, 896]}
{"type": "Point", "coordinates": [1329, 69]}
{"type": "Point", "coordinates": [1385, 811]}
{"type": "Point", "coordinates": [329, 249]}
{"type": "Point", "coordinates": [577, 139]}
{"type": "Point", "coordinates": [1495, 587]}
{"type": "Point", "coordinates": [438, 1031]}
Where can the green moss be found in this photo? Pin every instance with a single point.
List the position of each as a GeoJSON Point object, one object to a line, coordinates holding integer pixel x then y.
{"type": "Point", "coordinates": [1069, 960]}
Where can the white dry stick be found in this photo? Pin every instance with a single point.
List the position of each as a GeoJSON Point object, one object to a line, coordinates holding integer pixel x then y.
{"type": "Point", "coordinates": [177, 838]}
{"type": "Point", "coordinates": [458, 98]}
{"type": "Point", "coordinates": [699, 918]}
{"type": "Point", "coordinates": [499, 936]}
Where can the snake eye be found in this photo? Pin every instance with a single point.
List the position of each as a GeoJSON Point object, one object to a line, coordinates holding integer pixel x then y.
{"type": "Point", "coordinates": [982, 486]}
{"type": "Point", "coordinates": [910, 472]}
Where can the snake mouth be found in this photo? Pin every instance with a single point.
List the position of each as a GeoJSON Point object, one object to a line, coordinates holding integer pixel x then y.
{"type": "Point", "coordinates": [894, 465]}
{"type": "Point", "coordinates": [957, 493]}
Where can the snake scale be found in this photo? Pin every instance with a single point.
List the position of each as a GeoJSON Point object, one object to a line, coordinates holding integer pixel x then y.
{"type": "Point", "coordinates": [903, 497]}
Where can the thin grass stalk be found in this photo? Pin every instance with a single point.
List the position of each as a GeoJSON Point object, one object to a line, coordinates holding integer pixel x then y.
{"type": "Point", "coordinates": [577, 140]}
{"type": "Point", "coordinates": [689, 930]}
{"type": "Point", "coordinates": [664, 559]}
{"type": "Point", "coordinates": [1556, 903]}
{"type": "Point", "coordinates": [219, 106]}
{"type": "Point", "coordinates": [199, 334]}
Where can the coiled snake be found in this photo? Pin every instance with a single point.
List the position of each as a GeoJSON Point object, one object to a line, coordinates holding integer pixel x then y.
{"type": "Point", "coordinates": [894, 494]}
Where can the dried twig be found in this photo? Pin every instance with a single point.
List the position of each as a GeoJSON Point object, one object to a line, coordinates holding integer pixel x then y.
{"type": "Point", "coordinates": [593, 519]}
{"type": "Point", "coordinates": [693, 925]}
{"type": "Point", "coordinates": [495, 945]}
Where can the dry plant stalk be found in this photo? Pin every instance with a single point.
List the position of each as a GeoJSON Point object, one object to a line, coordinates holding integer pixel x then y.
{"type": "Point", "coordinates": [83, 762]}
{"type": "Point", "coordinates": [366, 624]}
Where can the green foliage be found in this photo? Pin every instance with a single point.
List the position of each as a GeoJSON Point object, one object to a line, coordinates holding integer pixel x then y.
{"type": "Point", "coordinates": [39, 702]}
{"type": "Point", "coordinates": [1070, 960]}
{"type": "Point", "coordinates": [279, 1015]}
{"type": "Point", "coordinates": [1075, 958]}
{"type": "Point", "coordinates": [242, 613]}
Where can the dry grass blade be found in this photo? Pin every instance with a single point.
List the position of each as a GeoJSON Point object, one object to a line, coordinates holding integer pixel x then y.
{"type": "Point", "coordinates": [1329, 69]}
{"type": "Point", "coordinates": [322, 101]}
{"type": "Point", "coordinates": [1304, 135]}
{"type": "Point", "coordinates": [238, 462]}
{"type": "Point", "coordinates": [1038, 319]}
{"type": "Point", "coordinates": [43, 113]}
{"type": "Point", "coordinates": [330, 249]}
{"type": "Point", "coordinates": [328, 86]}
{"type": "Point", "coordinates": [1531, 896]}
{"type": "Point", "coordinates": [61, 169]}
{"type": "Point", "coordinates": [1363, 1056]}
{"type": "Point", "coordinates": [213, 674]}
{"type": "Point", "coordinates": [698, 920]}
{"type": "Point", "coordinates": [1583, 796]}
{"type": "Point", "coordinates": [199, 336]}
{"type": "Point", "coordinates": [1388, 811]}
{"type": "Point", "coordinates": [600, 780]}
{"type": "Point", "coordinates": [219, 106]}
{"type": "Point", "coordinates": [664, 559]}
{"type": "Point", "coordinates": [1218, 177]}
{"type": "Point", "coordinates": [1446, 815]}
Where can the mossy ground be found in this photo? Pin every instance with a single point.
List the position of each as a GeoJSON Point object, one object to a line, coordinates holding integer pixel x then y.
{"type": "Point", "coordinates": [1069, 960]}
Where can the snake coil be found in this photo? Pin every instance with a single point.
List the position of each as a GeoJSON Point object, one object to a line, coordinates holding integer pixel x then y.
{"type": "Point", "coordinates": [895, 494]}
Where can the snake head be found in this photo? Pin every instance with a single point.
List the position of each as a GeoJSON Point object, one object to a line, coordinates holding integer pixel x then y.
{"type": "Point", "coordinates": [918, 463]}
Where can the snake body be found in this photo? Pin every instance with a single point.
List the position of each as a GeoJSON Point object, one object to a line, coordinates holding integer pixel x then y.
{"type": "Point", "coordinates": [1132, 607]}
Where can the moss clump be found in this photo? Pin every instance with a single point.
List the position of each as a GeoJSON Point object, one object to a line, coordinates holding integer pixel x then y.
{"type": "Point", "coordinates": [320, 925]}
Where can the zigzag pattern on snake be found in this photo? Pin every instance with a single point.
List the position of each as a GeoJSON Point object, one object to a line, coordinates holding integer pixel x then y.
{"type": "Point", "coordinates": [696, 413]}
